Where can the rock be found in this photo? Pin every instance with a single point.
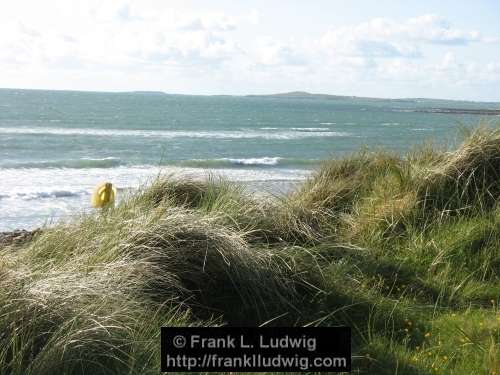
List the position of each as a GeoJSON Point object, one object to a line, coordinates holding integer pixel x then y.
{"type": "Point", "coordinates": [17, 237]}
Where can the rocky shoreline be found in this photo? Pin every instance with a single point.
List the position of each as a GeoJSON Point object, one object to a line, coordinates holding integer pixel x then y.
{"type": "Point", "coordinates": [17, 237]}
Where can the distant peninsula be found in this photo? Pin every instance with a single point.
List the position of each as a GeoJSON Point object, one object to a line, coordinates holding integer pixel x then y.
{"type": "Point", "coordinates": [431, 105]}
{"type": "Point", "coordinates": [149, 92]}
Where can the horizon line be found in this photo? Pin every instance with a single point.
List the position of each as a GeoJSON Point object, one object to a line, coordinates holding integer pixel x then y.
{"type": "Point", "coordinates": [289, 93]}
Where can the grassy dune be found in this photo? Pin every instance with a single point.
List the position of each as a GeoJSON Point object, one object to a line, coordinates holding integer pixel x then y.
{"type": "Point", "coordinates": [405, 250]}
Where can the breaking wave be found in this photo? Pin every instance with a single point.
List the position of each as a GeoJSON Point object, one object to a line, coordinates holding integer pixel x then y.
{"type": "Point", "coordinates": [290, 133]}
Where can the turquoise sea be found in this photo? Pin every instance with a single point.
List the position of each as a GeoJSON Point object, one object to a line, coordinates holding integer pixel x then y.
{"type": "Point", "coordinates": [55, 146]}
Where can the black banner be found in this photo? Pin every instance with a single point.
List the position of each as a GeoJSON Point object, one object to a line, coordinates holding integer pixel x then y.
{"type": "Point", "coordinates": [249, 349]}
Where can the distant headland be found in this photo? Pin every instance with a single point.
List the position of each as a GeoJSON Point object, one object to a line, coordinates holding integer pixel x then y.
{"type": "Point", "coordinates": [425, 105]}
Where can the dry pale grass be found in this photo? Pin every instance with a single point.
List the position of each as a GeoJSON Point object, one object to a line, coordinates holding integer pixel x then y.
{"type": "Point", "coordinates": [468, 177]}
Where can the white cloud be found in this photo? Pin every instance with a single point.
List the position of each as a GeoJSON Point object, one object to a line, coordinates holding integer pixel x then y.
{"type": "Point", "coordinates": [448, 61]}
{"type": "Point", "coordinates": [270, 52]}
{"type": "Point", "coordinates": [431, 28]}
{"type": "Point", "coordinates": [120, 35]}
{"type": "Point", "coordinates": [385, 38]}
{"type": "Point", "coordinates": [254, 17]}
{"type": "Point", "coordinates": [346, 42]}
{"type": "Point", "coordinates": [449, 71]}
{"type": "Point", "coordinates": [187, 49]}
{"type": "Point", "coordinates": [212, 22]}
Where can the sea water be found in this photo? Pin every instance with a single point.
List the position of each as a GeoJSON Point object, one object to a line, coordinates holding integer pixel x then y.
{"type": "Point", "coordinates": [55, 146]}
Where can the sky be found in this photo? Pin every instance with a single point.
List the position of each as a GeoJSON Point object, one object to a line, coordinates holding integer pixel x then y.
{"type": "Point", "coordinates": [437, 49]}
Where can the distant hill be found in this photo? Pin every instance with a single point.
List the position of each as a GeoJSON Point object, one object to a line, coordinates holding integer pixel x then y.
{"type": "Point", "coordinates": [423, 104]}
{"type": "Point", "coordinates": [308, 95]}
{"type": "Point", "coordinates": [304, 95]}
{"type": "Point", "coordinates": [149, 92]}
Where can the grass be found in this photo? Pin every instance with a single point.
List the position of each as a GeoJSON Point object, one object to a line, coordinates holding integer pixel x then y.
{"type": "Point", "coordinates": [404, 249]}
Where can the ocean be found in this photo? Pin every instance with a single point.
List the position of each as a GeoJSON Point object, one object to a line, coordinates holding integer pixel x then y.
{"type": "Point", "coordinates": [55, 146]}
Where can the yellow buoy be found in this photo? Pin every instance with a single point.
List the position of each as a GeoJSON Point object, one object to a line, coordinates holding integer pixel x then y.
{"type": "Point", "coordinates": [104, 195]}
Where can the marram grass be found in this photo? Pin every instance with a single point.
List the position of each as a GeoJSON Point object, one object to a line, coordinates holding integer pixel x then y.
{"type": "Point", "coordinates": [405, 250]}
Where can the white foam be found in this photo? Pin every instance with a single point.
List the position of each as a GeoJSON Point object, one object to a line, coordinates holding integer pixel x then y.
{"type": "Point", "coordinates": [266, 160]}
{"type": "Point", "coordinates": [216, 134]}
{"type": "Point", "coordinates": [31, 197]}
{"type": "Point", "coordinates": [46, 194]}
{"type": "Point", "coordinates": [84, 162]}
{"type": "Point", "coordinates": [310, 129]}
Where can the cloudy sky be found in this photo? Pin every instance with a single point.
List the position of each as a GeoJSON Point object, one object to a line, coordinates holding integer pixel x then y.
{"type": "Point", "coordinates": [440, 49]}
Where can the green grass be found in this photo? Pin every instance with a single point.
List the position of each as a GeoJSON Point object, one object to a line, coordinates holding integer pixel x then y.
{"type": "Point", "coordinates": [404, 249]}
